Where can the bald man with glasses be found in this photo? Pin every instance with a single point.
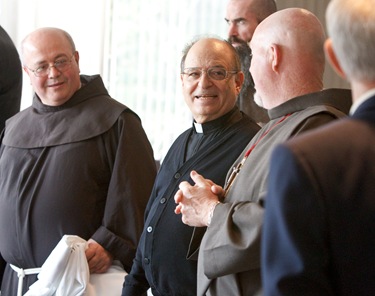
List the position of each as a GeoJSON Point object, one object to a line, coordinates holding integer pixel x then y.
{"type": "Point", "coordinates": [211, 80]}
{"type": "Point", "coordinates": [76, 162]}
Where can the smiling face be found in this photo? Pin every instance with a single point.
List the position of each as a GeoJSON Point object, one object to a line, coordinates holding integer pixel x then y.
{"type": "Point", "coordinates": [45, 47]}
{"type": "Point", "coordinates": [209, 99]}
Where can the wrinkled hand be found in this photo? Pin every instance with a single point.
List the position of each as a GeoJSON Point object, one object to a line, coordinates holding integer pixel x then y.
{"type": "Point", "coordinates": [196, 202]}
{"type": "Point", "coordinates": [98, 258]}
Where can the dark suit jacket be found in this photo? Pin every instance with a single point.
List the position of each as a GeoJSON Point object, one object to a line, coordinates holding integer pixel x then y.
{"type": "Point", "coordinates": [319, 226]}
{"type": "Point", "coordinates": [10, 78]}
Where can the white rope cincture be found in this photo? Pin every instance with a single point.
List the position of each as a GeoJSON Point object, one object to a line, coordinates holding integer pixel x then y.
{"type": "Point", "coordinates": [21, 273]}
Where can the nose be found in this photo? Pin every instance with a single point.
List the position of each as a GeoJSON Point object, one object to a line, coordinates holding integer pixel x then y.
{"type": "Point", "coordinates": [232, 29]}
{"type": "Point", "coordinates": [53, 71]}
{"type": "Point", "coordinates": [205, 81]}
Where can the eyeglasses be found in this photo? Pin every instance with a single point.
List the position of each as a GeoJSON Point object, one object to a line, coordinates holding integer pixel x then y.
{"type": "Point", "coordinates": [215, 73]}
{"type": "Point", "coordinates": [60, 65]}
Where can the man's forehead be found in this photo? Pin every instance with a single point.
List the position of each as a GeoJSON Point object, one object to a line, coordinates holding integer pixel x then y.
{"type": "Point", "coordinates": [208, 53]}
{"type": "Point", "coordinates": [239, 9]}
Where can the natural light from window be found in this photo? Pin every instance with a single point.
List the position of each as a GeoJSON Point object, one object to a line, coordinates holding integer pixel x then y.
{"type": "Point", "coordinates": [146, 41]}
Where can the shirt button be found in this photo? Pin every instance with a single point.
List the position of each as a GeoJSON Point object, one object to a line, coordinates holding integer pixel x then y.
{"type": "Point", "coordinates": [149, 229]}
{"type": "Point", "coordinates": [177, 176]}
{"type": "Point", "coordinates": [162, 200]}
{"type": "Point", "coordinates": [146, 260]}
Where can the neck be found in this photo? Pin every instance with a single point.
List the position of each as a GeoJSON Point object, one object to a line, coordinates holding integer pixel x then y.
{"type": "Point", "coordinates": [360, 88]}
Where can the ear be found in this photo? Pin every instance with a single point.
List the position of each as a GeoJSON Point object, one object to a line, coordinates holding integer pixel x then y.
{"type": "Point", "coordinates": [239, 79]}
{"type": "Point", "coordinates": [332, 58]}
{"type": "Point", "coordinates": [274, 55]}
{"type": "Point", "coordinates": [76, 57]}
{"type": "Point", "coordinates": [26, 70]}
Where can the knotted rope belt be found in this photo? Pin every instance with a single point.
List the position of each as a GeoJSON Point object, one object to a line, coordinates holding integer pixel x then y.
{"type": "Point", "coordinates": [21, 275]}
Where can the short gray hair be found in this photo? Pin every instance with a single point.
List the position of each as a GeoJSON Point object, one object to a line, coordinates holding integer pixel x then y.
{"type": "Point", "coordinates": [235, 57]}
{"type": "Point", "coordinates": [351, 27]}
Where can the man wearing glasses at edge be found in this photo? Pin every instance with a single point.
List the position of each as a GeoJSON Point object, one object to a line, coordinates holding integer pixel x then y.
{"type": "Point", "coordinates": [76, 162]}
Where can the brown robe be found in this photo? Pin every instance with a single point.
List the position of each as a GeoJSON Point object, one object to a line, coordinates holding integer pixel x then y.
{"type": "Point", "coordinates": [84, 168]}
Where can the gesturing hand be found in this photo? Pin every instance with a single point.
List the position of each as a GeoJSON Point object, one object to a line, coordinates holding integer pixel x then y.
{"type": "Point", "coordinates": [196, 202]}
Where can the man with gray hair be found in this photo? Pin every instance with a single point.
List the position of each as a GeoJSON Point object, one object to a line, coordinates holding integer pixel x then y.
{"type": "Point", "coordinates": [320, 212]}
{"type": "Point", "coordinates": [211, 80]}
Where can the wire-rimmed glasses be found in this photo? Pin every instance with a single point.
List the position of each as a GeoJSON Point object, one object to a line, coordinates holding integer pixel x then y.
{"type": "Point", "coordinates": [215, 73]}
{"type": "Point", "coordinates": [61, 64]}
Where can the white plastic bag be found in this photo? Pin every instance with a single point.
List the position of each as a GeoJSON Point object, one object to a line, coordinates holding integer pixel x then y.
{"type": "Point", "coordinates": [65, 272]}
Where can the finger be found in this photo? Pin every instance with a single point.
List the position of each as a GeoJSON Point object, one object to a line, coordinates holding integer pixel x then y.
{"type": "Point", "coordinates": [99, 267]}
{"type": "Point", "coordinates": [177, 210]}
{"type": "Point", "coordinates": [199, 180]}
{"type": "Point", "coordinates": [92, 264]}
{"type": "Point", "coordinates": [184, 220]}
{"type": "Point", "coordinates": [186, 191]}
{"type": "Point", "coordinates": [178, 196]}
{"type": "Point", "coordinates": [218, 190]}
{"type": "Point", "coordinates": [90, 253]}
{"type": "Point", "coordinates": [210, 182]}
{"type": "Point", "coordinates": [184, 185]}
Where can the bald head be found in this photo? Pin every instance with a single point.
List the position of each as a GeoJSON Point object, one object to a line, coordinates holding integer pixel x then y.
{"type": "Point", "coordinates": [51, 62]}
{"type": "Point", "coordinates": [293, 28]}
{"type": "Point", "coordinates": [291, 42]}
{"type": "Point", "coordinates": [43, 36]}
{"type": "Point", "coordinates": [260, 8]}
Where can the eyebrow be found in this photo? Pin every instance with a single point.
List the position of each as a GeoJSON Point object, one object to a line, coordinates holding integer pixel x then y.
{"type": "Point", "coordinates": [236, 20]}
{"type": "Point", "coordinates": [59, 56]}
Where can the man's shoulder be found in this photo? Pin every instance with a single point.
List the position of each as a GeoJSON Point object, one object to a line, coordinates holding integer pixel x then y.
{"type": "Point", "coordinates": [337, 98]}
{"type": "Point", "coordinates": [343, 136]}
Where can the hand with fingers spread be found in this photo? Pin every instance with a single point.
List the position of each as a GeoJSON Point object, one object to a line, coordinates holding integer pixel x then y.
{"type": "Point", "coordinates": [98, 258]}
{"type": "Point", "coordinates": [197, 202]}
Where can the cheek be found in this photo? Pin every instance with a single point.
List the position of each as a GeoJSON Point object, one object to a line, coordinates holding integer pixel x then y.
{"type": "Point", "coordinates": [37, 84]}
{"type": "Point", "coordinates": [246, 32]}
{"type": "Point", "coordinates": [257, 69]}
{"type": "Point", "coordinates": [187, 94]}
{"type": "Point", "coordinates": [187, 88]}
{"type": "Point", "coordinates": [230, 96]}
{"type": "Point", "coordinates": [252, 69]}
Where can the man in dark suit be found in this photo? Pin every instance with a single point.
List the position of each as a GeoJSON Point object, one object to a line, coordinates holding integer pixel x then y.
{"type": "Point", "coordinates": [319, 233]}
{"type": "Point", "coordinates": [10, 78]}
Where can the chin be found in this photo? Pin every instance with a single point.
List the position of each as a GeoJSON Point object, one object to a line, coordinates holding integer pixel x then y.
{"type": "Point", "coordinates": [258, 100]}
